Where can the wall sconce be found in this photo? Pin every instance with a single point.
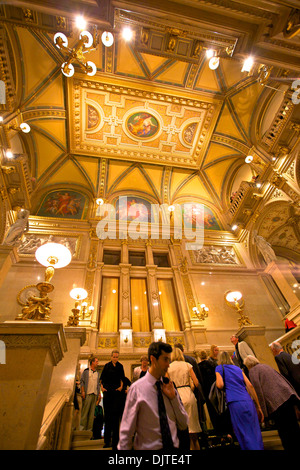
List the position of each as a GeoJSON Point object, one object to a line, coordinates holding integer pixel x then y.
{"type": "Point", "coordinates": [52, 256]}
{"type": "Point", "coordinates": [126, 339]}
{"type": "Point", "coordinates": [232, 299]}
{"type": "Point", "coordinates": [87, 42]}
{"type": "Point", "coordinates": [78, 294]}
{"type": "Point", "coordinates": [86, 311]}
{"type": "Point", "coordinates": [201, 313]}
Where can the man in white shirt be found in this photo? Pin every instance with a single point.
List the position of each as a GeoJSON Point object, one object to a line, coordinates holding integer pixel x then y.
{"type": "Point", "coordinates": [143, 417]}
{"type": "Point", "coordinates": [91, 395]}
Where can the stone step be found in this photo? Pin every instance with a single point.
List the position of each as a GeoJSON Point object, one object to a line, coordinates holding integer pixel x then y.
{"type": "Point", "coordinates": [271, 440]}
{"type": "Point", "coordinates": [93, 444]}
{"type": "Point", "coordinates": [81, 435]}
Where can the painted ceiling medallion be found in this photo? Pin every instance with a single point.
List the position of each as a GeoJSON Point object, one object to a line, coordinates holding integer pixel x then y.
{"type": "Point", "coordinates": [189, 133]}
{"type": "Point", "coordinates": [142, 125]}
{"type": "Point", "coordinates": [93, 117]}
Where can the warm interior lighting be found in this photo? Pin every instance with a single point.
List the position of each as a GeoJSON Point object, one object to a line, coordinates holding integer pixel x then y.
{"type": "Point", "coordinates": [78, 293]}
{"type": "Point", "coordinates": [107, 39]}
{"type": "Point", "coordinates": [60, 40]}
{"type": "Point", "coordinates": [234, 227]}
{"type": "Point", "coordinates": [9, 154]}
{"type": "Point", "coordinates": [171, 208]}
{"type": "Point", "coordinates": [99, 201]}
{"type": "Point", "coordinates": [89, 38]}
{"type": "Point", "coordinates": [249, 159]}
{"type": "Point", "coordinates": [80, 22]}
{"type": "Point", "coordinates": [127, 34]}
{"type": "Point", "coordinates": [67, 69]}
{"type": "Point", "coordinates": [25, 127]}
{"type": "Point", "coordinates": [233, 296]}
{"type": "Point", "coordinates": [247, 65]}
{"type": "Point", "coordinates": [214, 63]}
{"type": "Point", "coordinates": [210, 53]}
{"type": "Point", "coordinates": [92, 68]}
{"type": "Point", "coordinates": [86, 43]}
{"type": "Point", "coordinates": [53, 254]}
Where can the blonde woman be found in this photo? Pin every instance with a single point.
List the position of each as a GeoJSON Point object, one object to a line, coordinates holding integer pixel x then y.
{"type": "Point", "coordinates": [242, 400]}
{"type": "Point", "coordinates": [182, 374]}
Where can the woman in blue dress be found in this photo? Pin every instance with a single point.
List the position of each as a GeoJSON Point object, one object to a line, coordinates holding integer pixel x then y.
{"type": "Point", "coordinates": [244, 408]}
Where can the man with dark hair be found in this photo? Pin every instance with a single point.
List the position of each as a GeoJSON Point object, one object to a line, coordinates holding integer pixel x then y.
{"type": "Point", "coordinates": [112, 380]}
{"type": "Point", "coordinates": [153, 409]}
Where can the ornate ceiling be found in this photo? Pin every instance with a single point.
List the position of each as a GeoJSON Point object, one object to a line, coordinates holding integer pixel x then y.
{"type": "Point", "coordinates": [156, 121]}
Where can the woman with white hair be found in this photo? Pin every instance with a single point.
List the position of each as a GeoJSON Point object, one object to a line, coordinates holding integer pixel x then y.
{"type": "Point", "coordinates": [182, 374]}
{"type": "Point", "coordinates": [277, 398]}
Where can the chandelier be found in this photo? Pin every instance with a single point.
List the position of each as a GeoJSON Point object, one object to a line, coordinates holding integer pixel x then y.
{"type": "Point", "coordinates": [87, 42]}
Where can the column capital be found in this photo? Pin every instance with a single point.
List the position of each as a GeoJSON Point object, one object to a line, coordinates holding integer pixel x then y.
{"type": "Point", "coordinates": [31, 335]}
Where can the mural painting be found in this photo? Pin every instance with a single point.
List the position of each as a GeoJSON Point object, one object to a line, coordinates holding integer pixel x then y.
{"type": "Point", "coordinates": [189, 213]}
{"type": "Point", "coordinates": [63, 204]}
{"type": "Point", "coordinates": [142, 125]}
{"type": "Point", "coordinates": [133, 208]}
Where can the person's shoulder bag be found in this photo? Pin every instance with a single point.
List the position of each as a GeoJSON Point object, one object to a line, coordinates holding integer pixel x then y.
{"type": "Point", "coordinates": [217, 397]}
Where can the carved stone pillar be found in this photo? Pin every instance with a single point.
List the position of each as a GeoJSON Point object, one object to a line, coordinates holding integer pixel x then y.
{"type": "Point", "coordinates": [125, 312]}
{"type": "Point", "coordinates": [89, 319]}
{"type": "Point", "coordinates": [33, 349]}
{"type": "Point", "coordinates": [149, 253]}
{"type": "Point", "coordinates": [153, 296]}
{"type": "Point", "coordinates": [285, 280]}
{"type": "Point", "coordinates": [194, 331]}
{"type": "Point", "coordinates": [124, 252]}
{"type": "Point", "coordinates": [255, 336]}
{"type": "Point", "coordinates": [8, 256]}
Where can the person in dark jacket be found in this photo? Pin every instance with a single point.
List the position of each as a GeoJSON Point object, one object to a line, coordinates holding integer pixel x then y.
{"type": "Point", "coordinates": [112, 380]}
{"type": "Point", "coordinates": [288, 366]}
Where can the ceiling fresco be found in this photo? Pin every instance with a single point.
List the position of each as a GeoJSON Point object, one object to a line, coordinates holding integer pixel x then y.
{"type": "Point", "coordinates": [155, 121]}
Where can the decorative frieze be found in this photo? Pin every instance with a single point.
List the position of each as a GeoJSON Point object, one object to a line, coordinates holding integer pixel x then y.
{"type": "Point", "coordinates": [214, 254]}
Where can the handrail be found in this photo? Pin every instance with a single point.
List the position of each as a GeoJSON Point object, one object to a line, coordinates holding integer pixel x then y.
{"type": "Point", "coordinates": [52, 415]}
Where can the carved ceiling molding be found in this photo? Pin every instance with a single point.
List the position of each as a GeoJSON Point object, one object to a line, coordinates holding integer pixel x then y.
{"type": "Point", "coordinates": [236, 145]}
{"type": "Point", "coordinates": [109, 136]}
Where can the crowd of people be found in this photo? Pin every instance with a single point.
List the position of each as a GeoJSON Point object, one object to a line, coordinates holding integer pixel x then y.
{"type": "Point", "coordinates": [168, 403]}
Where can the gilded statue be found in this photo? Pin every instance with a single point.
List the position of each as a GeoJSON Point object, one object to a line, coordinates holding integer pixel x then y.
{"type": "Point", "coordinates": [37, 308]}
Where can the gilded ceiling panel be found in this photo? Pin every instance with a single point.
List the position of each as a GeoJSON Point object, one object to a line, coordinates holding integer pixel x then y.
{"type": "Point", "coordinates": [139, 124]}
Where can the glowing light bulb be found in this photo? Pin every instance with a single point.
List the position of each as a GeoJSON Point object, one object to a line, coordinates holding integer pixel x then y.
{"type": "Point", "coordinates": [127, 34]}
{"type": "Point", "coordinates": [107, 39]}
{"type": "Point", "coordinates": [210, 53]}
{"type": "Point", "coordinates": [248, 63]}
{"type": "Point", "coordinates": [214, 63]}
{"type": "Point", "coordinates": [80, 22]}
